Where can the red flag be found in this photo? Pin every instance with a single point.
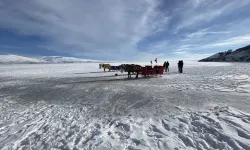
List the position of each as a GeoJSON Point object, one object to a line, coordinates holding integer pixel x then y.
{"type": "Point", "coordinates": [151, 62]}
{"type": "Point", "coordinates": [156, 60]}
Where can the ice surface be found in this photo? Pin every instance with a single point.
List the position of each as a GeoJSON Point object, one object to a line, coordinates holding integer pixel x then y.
{"type": "Point", "coordinates": [78, 106]}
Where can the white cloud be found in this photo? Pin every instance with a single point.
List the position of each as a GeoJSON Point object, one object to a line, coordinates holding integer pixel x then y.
{"type": "Point", "coordinates": [203, 11]}
{"type": "Point", "coordinates": [191, 56]}
{"type": "Point", "coordinates": [239, 40]}
{"type": "Point", "coordinates": [157, 46]}
{"type": "Point", "coordinates": [232, 41]}
{"type": "Point", "coordinates": [147, 56]}
{"type": "Point", "coordinates": [9, 46]}
{"type": "Point", "coordinates": [185, 48]}
{"type": "Point", "coordinates": [85, 27]}
{"type": "Point", "coordinates": [205, 32]}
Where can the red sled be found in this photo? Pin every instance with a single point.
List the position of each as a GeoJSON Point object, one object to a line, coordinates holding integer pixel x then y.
{"type": "Point", "coordinates": [148, 70]}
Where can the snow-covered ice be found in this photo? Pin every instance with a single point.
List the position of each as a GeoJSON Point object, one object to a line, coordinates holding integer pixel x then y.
{"type": "Point", "coordinates": [78, 106]}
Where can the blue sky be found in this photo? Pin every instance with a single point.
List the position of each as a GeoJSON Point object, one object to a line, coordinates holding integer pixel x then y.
{"type": "Point", "coordinates": [124, 29]}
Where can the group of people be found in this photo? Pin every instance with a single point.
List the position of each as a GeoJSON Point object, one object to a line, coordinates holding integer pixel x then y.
{"type": "Point", "coordinates": [180, 66]}
{"type": "Point", "coordinates": [166, 66]}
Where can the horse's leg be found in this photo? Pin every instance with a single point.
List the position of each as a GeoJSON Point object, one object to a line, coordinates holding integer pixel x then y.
{"type": "Point", "coordinates": [129, 75]}
{"type": "Point", "coordinates": [137, 74]}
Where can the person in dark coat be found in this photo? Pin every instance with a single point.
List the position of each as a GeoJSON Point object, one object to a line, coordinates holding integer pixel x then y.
{"type": "Point", "coordinates": [167, 67]}
{"type": "Point", "coordinates": [180, 66]}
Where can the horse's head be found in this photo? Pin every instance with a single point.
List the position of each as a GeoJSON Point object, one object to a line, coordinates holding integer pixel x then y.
{"type": "Point", "coordinates": [122, 67]}
{"type": "Point", "coordinates": [137, 67]}
{"type": "Point", "coordinates": [100, 66]}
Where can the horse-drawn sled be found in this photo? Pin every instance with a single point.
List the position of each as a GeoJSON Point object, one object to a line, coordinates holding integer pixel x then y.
{"type": "Point", "coordinates": [133, 69]}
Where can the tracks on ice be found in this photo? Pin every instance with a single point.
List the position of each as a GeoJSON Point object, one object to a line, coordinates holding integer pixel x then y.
{"type": "Point", "coordinates": [45, 126]}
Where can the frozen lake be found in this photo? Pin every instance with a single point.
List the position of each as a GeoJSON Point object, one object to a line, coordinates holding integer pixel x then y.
{"type": "Point", "coordinates": [78, 106]}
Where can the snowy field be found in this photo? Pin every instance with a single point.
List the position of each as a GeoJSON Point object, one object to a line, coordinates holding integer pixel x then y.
{"type": "Point", "coordinates": [78, 106]}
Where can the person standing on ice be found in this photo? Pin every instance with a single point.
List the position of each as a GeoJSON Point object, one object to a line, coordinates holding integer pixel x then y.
{"type": "Point", "coordinates": [167, 67]}
{"type": "Point", "coordinates": [180, 66]}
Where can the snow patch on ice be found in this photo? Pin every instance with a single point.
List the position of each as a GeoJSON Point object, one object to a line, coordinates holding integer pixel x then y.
{"type": "Point", "coordinates": [243, 88]}
{"type": "Point", "coordinates": [44, 126]}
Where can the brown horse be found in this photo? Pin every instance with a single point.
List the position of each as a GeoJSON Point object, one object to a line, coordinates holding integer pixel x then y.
{"type": "Point", "coordinates": [131, 68]}
{"type": "Point", "coordinates": [105, 66]}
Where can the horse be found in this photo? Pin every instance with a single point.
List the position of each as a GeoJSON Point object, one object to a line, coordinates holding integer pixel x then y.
{"type": "Point", "coordinates": [130, 68]}
{"type": "Point", "coordinates": [105, 66]}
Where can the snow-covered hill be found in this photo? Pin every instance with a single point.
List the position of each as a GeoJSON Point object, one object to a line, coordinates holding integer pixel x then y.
{"type": "Point", "coordinates": [239, 55]}
{"type": "Point", "coordinates": [60, 59]}
{"type": "Point", "coordinates": [15, 59]}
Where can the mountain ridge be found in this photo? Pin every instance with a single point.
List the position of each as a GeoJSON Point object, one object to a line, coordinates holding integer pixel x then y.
{"type": "Point", "coordinates": [239, 55]}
